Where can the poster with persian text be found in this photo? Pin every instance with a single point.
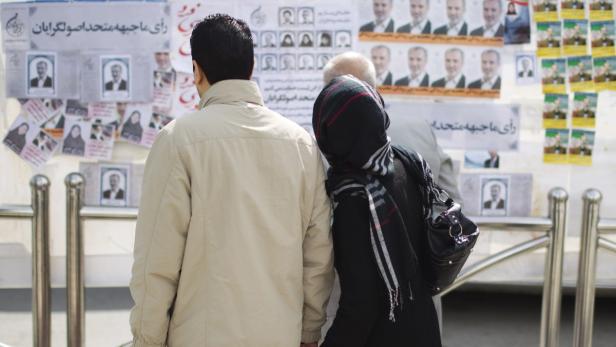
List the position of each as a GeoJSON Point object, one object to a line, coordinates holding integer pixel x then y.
{"type": "Point", "coordinates": [293, 40]}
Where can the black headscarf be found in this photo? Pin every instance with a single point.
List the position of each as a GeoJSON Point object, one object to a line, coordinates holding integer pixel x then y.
{"type": "Point", "coordinates": [350, 124]}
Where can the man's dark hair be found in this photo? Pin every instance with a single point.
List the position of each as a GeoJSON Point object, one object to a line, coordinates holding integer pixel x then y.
{"type": "Point", "coordinates": [222, 46]}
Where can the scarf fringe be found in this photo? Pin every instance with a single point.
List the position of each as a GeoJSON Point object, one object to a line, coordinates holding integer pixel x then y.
{"type": "Point", "coordinates": [394, 302]}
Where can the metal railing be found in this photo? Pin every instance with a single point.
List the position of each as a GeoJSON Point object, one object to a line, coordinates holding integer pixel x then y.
{"type": "Point", "coordinates": [590, 241]}
{"type": "Point", "coordinates": [555, 227]}
{"type": "Point", "coordinates": [553, 239]}
{"type": "Point", "coordinates": [76, 213]}
{"type": "Point", "coordinates": [38, 213]}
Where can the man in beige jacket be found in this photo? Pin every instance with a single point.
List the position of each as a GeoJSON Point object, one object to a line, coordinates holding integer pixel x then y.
{"type": "Point", "coordinates": [233, 245]}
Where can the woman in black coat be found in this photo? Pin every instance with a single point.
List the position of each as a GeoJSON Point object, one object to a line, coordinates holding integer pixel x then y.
{"type": "Point", "coordinates": [378, 228]}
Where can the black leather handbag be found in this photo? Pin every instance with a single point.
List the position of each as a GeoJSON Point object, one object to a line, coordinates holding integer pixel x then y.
{"type": "Point", "coordinates": [450, 239]}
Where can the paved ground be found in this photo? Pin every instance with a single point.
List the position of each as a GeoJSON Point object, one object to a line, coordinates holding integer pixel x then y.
{"type": "Point", "coordinates": [470, 319]}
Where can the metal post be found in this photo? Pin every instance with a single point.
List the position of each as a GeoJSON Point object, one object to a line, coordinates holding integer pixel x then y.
{"type": "Point", "coordinates": [41, 287]}
{"type": "Point", "coordinates": [74, 261]}
{"type": "Point", "coordinates": [552, 286]}
{"type": "Point", "coordinates": [585, 290]}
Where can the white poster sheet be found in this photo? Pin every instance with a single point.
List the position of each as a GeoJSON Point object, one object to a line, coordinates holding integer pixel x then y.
{"type": "Point", "coordinates": [143, 26]}
{"type": "Point", "coordinates": [464, 125]}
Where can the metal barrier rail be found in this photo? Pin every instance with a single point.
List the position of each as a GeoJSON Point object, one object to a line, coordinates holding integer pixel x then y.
{"type": "Point", "coordinates": [76, 213]}
{"type": "Point", "coordinates": [38, 213]}
{"type": "Point", "coordinates": [554, 239]}
{"type": "Point", "coordinates": [590, 241]}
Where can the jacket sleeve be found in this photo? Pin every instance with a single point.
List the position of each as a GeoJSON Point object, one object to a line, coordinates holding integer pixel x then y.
{"type": "Point", "coordinates": [318, 260]}
{"type": "Point", "coordinates": [162, 225]}
{"type": "Point", "coordinates": [362, 297]}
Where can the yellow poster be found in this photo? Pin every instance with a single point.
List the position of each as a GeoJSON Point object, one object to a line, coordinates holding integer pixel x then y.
{"type": "Point", "coordinates": [581, 147]}
{"type": "Point", "coordinates": [575, 39]}
{"type": "Point", "coordinates": [572, 9]}
{"type": "Point", "coordinates": [602, 35]}
{"type": "Point", "coordinates": [545, 10]}
{"type": "Point", "coordinates": [555, 146]}
{"type": "Point", "coordinates": [605, 73]}
{"type": "Point", "coordinates": [584, 110]}
{"type": "Point", "coordinates": [553, 80]}
{"type": "Point", "coordinates": [579, 70]}
{"type": "Point", "coordinates": [555, 110]}
{"type": "Point", "coordinates": [549, 39]}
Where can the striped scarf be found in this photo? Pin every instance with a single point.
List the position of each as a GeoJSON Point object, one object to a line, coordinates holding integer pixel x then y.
{"type": "Point", "coordinates": [350, 124]}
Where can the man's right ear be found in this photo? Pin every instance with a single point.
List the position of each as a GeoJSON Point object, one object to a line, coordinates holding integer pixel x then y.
{"type": "Point", "coordinates": [197, 73]}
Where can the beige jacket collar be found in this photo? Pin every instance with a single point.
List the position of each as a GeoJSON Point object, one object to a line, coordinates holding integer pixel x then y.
{"type": "Point", "coordinates": [231, 92]}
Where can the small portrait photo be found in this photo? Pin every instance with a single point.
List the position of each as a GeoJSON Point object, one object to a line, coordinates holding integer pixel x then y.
{"type": "Point", "coordinates": [115, 77]}
{"type": "Point", "coordinates": [17, 136]}
{"type": "Point", "coordinates": [324, 38]}
{"type": "Point", "coordinates": [163, 79]}
{"type": "Point", "coordinates": [269, 63]}
{"type": "Point", "coordinates": [287, 39]}
{"type": "Point", "coordinates": [305, 62]}
{"type": "Point", "coordinates": [494, 195]}
{"type": "Point", "coordinates": [553, 71]}
{"type": "Point", "coordinates": [602, 34]}
{"type": "Point", "coordinates": [343, 39]}
{"type": "Point", "coordinates": [545, 6]}
{"type": "Point", "coordinates": [114, 185]}
{"type": "Point", "coordinates": [575, 33]}
{"type": "Point", "coordinates": [605, 70]}
{"type": "Point", "coordinates": [322, 60]}
{"type": "Point", "coordinates": [548, 34]}
{"type": "Point", "coordinates": [41, 74]}
{"type": "Point", "coordinates": [162, 62]}
{"type": "Point", "coordinates": [132, 129]}
{"type": "Point", "coordinates": [579, 69]}
{"type": "Point", "coordinates": [555, 110]}
{"type": "Point", "coordinates": [74, 138]}
{"type": "Point", "coordinates": [556, 141]}
{"type": "Point", "coordinates": [255, 39]}
{"type": "Point", "coordinates": [269, 39]}
{"type": "Point", "coordinates": [584, 107]}
{"type": "Point", "coordinates": [582, 142]}
{"type": "Point", "coordinates": [100, 132]}
{"type": "Point", "coordinates": [158, 121]}
{"type": "Point", "coordinates": [452, 71]}
{"type": "Point", "coordinates": [287, 62]}
{"type": "Point", "coordinates": [286, 16]}
{"type": "Point", "coordinates": [490, 79]}
{"type": "Point", "coordinates": [511, 9]}
{"type": "Point", "coordinates": [377, 15]}
{"type": "Point", "coordinates": [44, 143]}
{"type": "Point", "coordinates": [55, 123]}
{"type": "Point", "coordinates": [306, 39]}
{"type": "Point", "coordinates": [53, 105]}
{"type": "Point", "coordinates": [305, 15]}
{"type": "Point", "coordinates": [482, 159]}
{"type": "Point", "coordinates": [76, 108]}
{"type": "Point", "coordinates": [525, 68]}
{"type": "Point", "coordinates": [381, 58]}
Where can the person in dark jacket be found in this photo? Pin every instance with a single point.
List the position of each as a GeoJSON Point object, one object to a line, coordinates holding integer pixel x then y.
{"type": "Point", "coordinates": [378, 226]}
